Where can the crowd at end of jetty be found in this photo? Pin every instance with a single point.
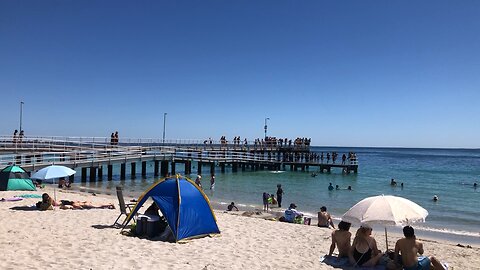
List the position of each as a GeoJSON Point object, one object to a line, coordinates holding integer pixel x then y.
{"type": "Point", "coordinates": [270, 143]}
{"type": "Point", "coordinates": [264, 142]}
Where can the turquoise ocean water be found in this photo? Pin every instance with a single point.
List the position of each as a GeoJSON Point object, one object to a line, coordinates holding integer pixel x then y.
{"type": "Point", "coordinates": [448, 173]}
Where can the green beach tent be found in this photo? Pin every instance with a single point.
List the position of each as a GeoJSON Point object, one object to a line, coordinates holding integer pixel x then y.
{"type": "Point", "coordinates": [15, 178]}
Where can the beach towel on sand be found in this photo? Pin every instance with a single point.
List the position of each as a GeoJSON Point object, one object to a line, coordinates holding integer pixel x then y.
{"type": "Point", "coordinates": [26, 196]}
{"type": "Point", "coordinates": [13, 199]}
{"type": "Point", "coordinates": [343, 263]}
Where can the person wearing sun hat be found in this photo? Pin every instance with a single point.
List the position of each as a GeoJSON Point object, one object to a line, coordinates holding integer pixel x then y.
{"type": "Point", "coordinates": [291, 213]}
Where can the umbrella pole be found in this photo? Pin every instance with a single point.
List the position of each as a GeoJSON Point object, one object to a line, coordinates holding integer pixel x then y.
{"type": "Point", "coordinates": [386, 238]}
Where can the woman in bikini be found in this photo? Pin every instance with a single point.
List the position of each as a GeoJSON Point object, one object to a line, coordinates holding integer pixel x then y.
{"type": "Point", "coordinates": [364, 251]}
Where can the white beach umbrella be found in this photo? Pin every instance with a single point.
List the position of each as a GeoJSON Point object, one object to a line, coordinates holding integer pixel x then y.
{"type": "Point", "coordinates": [53, 171]}
{"type": "Point", "coordinates": [385, 210]}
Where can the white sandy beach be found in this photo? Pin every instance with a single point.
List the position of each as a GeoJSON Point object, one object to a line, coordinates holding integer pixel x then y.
{"type": "Point", "coordinates": [83, 239]}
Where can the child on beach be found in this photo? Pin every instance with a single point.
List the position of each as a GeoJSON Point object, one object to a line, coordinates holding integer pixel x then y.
{"type": "Point", "coordinates": [272, 200]}
{"type": "Point", "coordinates": [265, 197]}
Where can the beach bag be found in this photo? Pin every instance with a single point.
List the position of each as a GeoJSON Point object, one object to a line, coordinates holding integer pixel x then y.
{"type": "Point", "coordinates": [307, 221]}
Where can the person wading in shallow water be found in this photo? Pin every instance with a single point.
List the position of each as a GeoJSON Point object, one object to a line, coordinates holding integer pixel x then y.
{"type": "Point", "coordinates": [279, 195]}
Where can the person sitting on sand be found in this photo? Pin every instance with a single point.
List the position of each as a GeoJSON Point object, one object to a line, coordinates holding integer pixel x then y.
{"type": "Point", "coordinates": [47, 203]}
{"type": "Point", "coordinates": [364, 251]}
{"type": "Point", "coordinates": [324, 218]}
{"type": "Point", "coordinates": [232, 206]}
{"type": "Point", "coordinates": [341, 239]}
{"type": "Point", "coordinates": [291, 213]}
{"type": "Point", "coordinates": [63, 183]}
{"type": "Point", "coordinates": [409, 247]}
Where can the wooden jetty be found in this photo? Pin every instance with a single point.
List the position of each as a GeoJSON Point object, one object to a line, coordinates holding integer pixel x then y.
{"type": "Point", "coordinates": [91, 156]}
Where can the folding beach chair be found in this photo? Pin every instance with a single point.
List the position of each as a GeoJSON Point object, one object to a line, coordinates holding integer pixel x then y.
{"type": "Point", "coordinates": [123, 207]}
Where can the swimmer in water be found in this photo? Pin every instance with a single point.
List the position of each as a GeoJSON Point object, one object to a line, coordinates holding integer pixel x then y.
{"type": "Point", "coordinates": [330, 187]}
{"type": "Point", "coordinates": [393, 182]}
{"type": "Point", "coordinates": [475, 185]}
{"type": "Point", "coordinates": [435, 198]}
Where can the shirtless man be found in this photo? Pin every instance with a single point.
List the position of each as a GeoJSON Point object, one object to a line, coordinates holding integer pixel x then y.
{"type": "Point", "coordinates": [409, 247]}
{"type": "Point", "coordinates": [341, 239]}
{"type": "Point", "coordinates": [324, 218]}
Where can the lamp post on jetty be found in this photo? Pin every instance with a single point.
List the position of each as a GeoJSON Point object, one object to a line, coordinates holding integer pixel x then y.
{"type": "Point", "coordinates": [265, 127]}
{"type": "Point", "coordinates": [21, 114]}
{"type": "Point", "coordinates": [164, 122]}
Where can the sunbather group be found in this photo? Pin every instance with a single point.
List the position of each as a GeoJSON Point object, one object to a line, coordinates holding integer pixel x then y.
{"type": "Point", "coordinates": [364, 252]}
{"type": "Point", "coordinates": [48, 203]}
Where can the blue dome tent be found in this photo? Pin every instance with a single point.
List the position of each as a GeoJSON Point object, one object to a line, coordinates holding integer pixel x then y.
{"type": "Point", "coordinates": [185, 207]}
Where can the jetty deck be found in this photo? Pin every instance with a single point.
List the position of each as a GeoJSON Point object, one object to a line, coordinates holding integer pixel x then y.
{"type": "Point", "coordinates": [91, 155]}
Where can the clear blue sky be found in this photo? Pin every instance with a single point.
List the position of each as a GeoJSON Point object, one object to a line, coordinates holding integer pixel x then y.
{"type": "Point", "coordinates": [345, 73]}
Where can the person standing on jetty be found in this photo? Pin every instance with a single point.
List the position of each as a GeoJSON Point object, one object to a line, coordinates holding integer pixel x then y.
{"type": "Point", "coordinates": [15, 134]}
{"type": "Point", "coordinates": [112, 139]}
{"type": "Point", "coordinates": [279, 195]}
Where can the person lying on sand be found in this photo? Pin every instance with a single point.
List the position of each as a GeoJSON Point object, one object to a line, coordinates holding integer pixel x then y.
{"type": "Point", "coordinates": [48, 203]}
{"type": "Point", "coordinates": [84, 205]}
